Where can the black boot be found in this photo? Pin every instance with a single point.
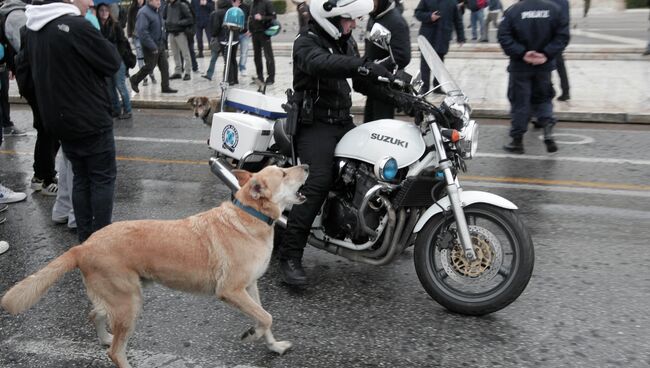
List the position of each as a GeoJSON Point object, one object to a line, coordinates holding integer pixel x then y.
{"type": "Point", "coordinates": [292, 272]}
{"type": "Point", "coordinates": [548, 138]}
{"type": "Point", "coordinates": [516, 146]}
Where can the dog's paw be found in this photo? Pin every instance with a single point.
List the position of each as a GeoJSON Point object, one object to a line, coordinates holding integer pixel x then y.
{"type": "Point", "coordinates": [251, 335]}
{"type": "Point", "coordinates": [280, 347]}
{"type": "Point", "coordinates": [106, 340]}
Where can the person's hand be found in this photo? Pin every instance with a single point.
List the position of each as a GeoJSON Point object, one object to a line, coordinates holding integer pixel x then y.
{"type": "Point", "coordinates": [258, 16]}
{"type": "Point", "coordinates": [535, 58]}
{"type": "Point", "coordinates": [435, 16]}
{"type": "Point", "coordinates": [374, 71]}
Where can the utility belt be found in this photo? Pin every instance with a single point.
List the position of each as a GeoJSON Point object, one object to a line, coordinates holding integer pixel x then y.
{"type": "Point", "coordinates": [301, 111]}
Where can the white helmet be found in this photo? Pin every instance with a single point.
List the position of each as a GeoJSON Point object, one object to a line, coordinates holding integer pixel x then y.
{"type": "Point", "coordinates": [321, 10]}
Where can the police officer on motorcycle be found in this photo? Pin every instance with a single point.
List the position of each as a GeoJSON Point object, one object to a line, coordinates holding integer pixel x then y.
{"type": "Point", "coordinates": [324, 56]}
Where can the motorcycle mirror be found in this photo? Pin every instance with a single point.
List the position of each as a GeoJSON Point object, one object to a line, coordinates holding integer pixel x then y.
{"type": "Point", "coordinates": [417, 83]}
{"type": "Point", "coordinates": [380, 36]}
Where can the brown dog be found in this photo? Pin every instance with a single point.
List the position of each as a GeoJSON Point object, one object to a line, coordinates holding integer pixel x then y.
{"type": "Point", "coordinates": [204, 108]}
{"type": "Point", "coordinates": [222, 251]}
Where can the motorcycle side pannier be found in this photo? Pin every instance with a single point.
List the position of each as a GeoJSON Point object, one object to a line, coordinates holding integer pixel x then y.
{"type": "Point", "coordinates": [235, 134]}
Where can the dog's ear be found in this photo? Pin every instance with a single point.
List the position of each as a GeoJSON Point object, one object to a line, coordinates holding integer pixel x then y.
{"type": "Point", "coordinates": [258, 189]}
{"type": "Point", "coordinates": [191, 100]}
{"type": "Point", "coordinates": [242, 176]}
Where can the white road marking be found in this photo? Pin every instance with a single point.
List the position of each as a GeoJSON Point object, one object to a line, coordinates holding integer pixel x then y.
{"type": "Point", "coordinates": [580, 139]}
{"type": "Point", "coordinates": [561, 189]}
{"type": "Point", "coordinates": [89, 351]}
{"type": "Point", "coordinates": [609, 212]}
{"type": "Point", "coordinates": [606, 37]}
{"type": "Point", "coordinates": [593, 160]}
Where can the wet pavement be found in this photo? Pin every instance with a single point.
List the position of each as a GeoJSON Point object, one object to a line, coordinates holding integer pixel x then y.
{"type": "Point", "coordinates": [587, 207]}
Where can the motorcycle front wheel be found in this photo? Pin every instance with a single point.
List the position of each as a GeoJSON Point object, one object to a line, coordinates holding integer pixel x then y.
{"type": "Point", "coordinates": [504, 264]}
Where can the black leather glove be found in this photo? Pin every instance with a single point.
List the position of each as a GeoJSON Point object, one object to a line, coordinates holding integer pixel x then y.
{"type": "Point", "coordinates": [403, 103]}
{"type": "Point", "coordinates": [374, 71]}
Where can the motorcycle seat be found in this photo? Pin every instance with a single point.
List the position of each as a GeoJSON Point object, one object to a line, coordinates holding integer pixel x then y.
{"type": "Point", "coordinates": [281, 137]}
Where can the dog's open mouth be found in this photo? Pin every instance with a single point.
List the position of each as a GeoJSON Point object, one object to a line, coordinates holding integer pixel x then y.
{"type": "Point", "coordinates": [300, 197]}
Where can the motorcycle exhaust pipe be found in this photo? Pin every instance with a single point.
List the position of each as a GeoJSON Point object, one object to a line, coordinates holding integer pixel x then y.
{"type": "Point", "coordinates": [221, 169]}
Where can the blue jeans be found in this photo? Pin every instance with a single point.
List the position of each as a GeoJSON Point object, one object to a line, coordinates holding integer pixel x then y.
{"type": "Point", "coordinates": [478, 17]}
{"type": "Point", "coordinates": [214, 55]}
{"type": "Point", "coordinates": [94, 168]}
{"type": "Point", "coordinates": [118, 84]}
{"type": "Point", "coordinates": [244, 46]}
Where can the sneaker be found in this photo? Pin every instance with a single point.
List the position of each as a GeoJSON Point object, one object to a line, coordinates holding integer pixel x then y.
{"type": "Point", "coordinates": [9, 196]}
{"type": "Point", "coordinates": [175, 76]}
{"type": "Point", "coordinates": [564, 97]}
{"type": "Point", "coordinates": [4, 246]}
{"type": "Point", "coordinates": [36, 184]}
{"type": "Point", "coordinates": [125, 116]}
{"type": "Point", "coordinates": [169, 90]}
{"type": "Point", "coordinates": [50, 190]}
{"type": "Point", "coordinates": [292, 272]}
{"type": "Point", "coordinates": [12, 131]}
{"type": "Point", "coordinates": [243, 73]}
{"type": "Point", "coordinates": [144, 82]}
{"type": "Point", "coordinates": [187, 77]}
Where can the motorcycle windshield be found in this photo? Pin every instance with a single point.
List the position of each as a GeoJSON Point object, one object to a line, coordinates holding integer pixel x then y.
{"type": "Point", "coordinates": [437, 67]}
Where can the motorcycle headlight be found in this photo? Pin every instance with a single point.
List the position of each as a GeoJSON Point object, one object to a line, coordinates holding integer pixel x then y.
{"type": "Point", "coordinates": [469, 139]}
{"type": "Point", "coordinates": [386, 168]}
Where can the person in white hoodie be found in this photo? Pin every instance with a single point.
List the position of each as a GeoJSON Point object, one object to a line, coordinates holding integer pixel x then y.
{"type": "Point", "coordinates": [69, 61]}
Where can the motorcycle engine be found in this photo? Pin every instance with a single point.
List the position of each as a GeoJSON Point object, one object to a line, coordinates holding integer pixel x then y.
{"type": "Point", "coordinates": [353, 181]}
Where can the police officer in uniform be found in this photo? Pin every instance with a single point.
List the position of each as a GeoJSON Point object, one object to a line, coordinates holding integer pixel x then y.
{"type": "Point", "coordinates": [532, 34]}
{"type": "Point", "coordinates": [324, 56]}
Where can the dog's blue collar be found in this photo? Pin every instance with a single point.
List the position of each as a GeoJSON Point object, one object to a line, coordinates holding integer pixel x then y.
{"type": "Point", "coordinates": [253, 212]}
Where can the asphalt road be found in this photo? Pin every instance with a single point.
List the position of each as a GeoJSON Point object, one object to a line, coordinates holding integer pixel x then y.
{"type": "Point", "coordinates": [587, 207]}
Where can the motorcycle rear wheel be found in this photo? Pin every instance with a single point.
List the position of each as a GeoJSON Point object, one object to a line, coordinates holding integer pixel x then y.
{"type": "Point", "coordinates": [505, 261]}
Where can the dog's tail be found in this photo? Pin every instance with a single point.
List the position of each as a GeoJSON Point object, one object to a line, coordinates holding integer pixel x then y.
{"type": "Point", "coordinates": [27, 292]}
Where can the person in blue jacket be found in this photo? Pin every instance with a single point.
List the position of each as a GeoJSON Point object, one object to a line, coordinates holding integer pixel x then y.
{"type": "Point", "coordinates": [532, 34]}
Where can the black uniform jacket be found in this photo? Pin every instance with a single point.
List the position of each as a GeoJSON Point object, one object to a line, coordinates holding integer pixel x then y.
{"type": "Point", "coordinates": [538, 25]}
{"type": "Point", "coordinates": [400, 41]}
{"type": "Point", "coordinates": [439, 33]}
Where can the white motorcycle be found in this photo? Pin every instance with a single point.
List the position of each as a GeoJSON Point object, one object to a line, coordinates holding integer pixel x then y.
{"type": "Point", "coordinates": [397, 185]}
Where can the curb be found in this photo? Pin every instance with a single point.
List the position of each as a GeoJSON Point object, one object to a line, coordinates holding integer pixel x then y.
{"type": "Point", "coordinates": [477, 113]}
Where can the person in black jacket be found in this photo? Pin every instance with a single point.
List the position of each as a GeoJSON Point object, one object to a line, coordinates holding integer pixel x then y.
{"type": "Point", "coordinates": [117, 83]}
{"type": "Point", "coordinates": [386, 14]}
{"type": "Point", "coordinates": [69, 75]}
{"type": "Point", "coordinates": [178, 18]}
{"type": "Point", "coordinates": [439, 19]}
{"type": "Point", "coordinates": [261, 14]}
{"type": "Point", "coordinates": [324, 56]}
{"type": "Point", "coordinates": [532, 34]}
{"type": "Point", "coordinates": [130, 33]}
{"type": "Point", "coordinates": [219, 45]}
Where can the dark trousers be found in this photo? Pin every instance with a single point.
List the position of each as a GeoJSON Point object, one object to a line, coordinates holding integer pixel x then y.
{"type": "Point", "coordinates": [93, 187]}
{"type": "Point", "coordinates": [315, 144]}
{"type": "Point", "coordinates": [263, 42]}
{"type": "Point", "coordinates": [530, 93]}
{"type": "Point", "coordinates": [4, 99]}
{"type": "Point", "coordinates": [376, 110]}
{"type": "Point", "coordinates": [561, 71]}
{"type": "Point", "coordinates": [425, 73]}
{"type": "Point", "coordinates": [45, 148]}
{"type": "Point", "coordinates": [202, 26]}
{"type": "Point", "coordinates": [150, 61]}
{"type": "Point", "coordinates": [233, 69]}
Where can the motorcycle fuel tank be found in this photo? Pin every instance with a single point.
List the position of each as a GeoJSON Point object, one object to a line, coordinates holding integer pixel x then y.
{"type": "Point", "coordinates": [372, 141]}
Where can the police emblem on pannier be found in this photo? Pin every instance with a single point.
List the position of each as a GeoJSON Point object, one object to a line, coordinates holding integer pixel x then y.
{"type": "Point", "coordinates": [230, 138]}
